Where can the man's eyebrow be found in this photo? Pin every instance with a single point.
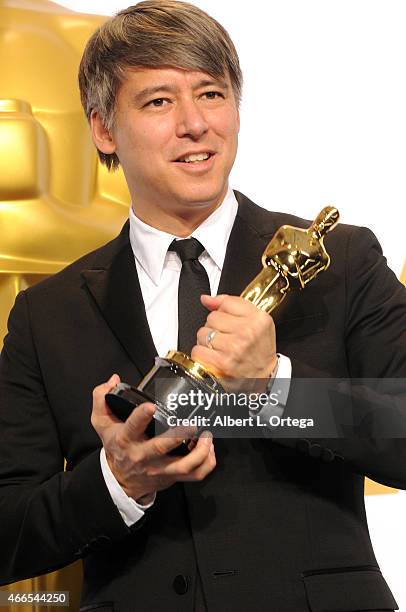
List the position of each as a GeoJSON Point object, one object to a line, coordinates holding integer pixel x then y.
{"type": "Point", "coordinates": [212, 83]}
{"type": "Point", "coordinates": [167, 88]}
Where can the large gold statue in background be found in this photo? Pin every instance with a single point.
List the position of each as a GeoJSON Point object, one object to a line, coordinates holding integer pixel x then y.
{"type": "Point", "coordinates": [56, 200]}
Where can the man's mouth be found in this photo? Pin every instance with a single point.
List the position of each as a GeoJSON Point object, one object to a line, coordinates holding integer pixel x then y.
{"type": "Point", "coordinates": [195, 158]}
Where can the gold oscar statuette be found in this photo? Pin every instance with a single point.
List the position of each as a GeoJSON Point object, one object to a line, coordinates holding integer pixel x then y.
{"type": "Point", "coordinates": [292, 259]}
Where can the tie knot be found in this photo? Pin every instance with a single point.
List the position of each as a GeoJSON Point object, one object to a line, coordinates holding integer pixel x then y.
{"type": "Point", "coordinates": [188, 249]}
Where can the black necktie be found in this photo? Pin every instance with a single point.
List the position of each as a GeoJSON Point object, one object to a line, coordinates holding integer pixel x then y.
{"type": "Point", "coordinates": [193, 282]}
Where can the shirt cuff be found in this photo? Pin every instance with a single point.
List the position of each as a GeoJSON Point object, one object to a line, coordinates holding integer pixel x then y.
{"type": "Point", "coordinates": [131, 512]}
{"type": "Point", "coordinates": [280, 382]}
{"type": "Point", "coordinates": [278, 387]}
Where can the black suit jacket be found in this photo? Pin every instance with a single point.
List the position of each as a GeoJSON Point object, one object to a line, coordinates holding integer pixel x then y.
{"type": "Point", "coordinates": [278, 525]}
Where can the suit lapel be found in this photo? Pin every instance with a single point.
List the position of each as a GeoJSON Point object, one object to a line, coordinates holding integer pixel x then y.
{"type": "Point", "coordinates": [248, 240]}
{"type": "Point", "coordinates": [113, 283]}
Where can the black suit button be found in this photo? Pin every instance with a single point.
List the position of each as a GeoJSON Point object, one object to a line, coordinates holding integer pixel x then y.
{"type": "Point", "coordinates": [315, 451]}
{"type": "Point", "coordinates": [180, 584]}
{"type": "Point", "coordinates": [328, 455]}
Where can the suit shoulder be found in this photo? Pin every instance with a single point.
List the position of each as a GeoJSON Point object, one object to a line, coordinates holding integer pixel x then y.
{"type": "Point", "coordinates": [267, 222]}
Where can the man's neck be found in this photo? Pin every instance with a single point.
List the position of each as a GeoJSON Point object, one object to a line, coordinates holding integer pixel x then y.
{"type": "Point", "coordinates": [181, 222]}
{"type": "Point", "coordinates": [177, 226]}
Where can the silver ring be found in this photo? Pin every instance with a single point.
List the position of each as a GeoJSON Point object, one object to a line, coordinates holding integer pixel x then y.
{"type": "Point", "coordinates": [210, 338]}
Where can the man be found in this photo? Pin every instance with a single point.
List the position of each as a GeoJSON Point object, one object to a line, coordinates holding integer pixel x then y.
{"type": "Point", "coordinates": [234, 523]}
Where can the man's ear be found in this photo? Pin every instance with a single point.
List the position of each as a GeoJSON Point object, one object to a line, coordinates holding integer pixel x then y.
{"type": "Point", "coordinates": [102, 138]}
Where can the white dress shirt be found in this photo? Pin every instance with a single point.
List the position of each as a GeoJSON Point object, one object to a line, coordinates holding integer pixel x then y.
{"type": "Point", "coordinates": [158, 272]}
{"type": "Point", "coordinates": [159, 269]}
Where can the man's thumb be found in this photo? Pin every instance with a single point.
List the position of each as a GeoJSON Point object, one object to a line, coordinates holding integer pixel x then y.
{"type": "Point", "coordinates": [212, 302]}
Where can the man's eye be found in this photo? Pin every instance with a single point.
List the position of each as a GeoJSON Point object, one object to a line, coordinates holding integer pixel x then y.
{"type": "Point", "coordinates": [212, 95]}
{"type": "Point", "coordinates": [157, 102]}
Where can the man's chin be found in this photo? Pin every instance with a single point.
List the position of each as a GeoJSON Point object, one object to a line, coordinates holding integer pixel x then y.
{"type": "Point", "coordinates": [201, 199]}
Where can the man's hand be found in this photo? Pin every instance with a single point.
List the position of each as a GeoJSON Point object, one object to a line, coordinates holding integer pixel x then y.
{"type": "Point", "coordinates": [141, 465]}
{"type": "Point", "coordinates": [244, 346]}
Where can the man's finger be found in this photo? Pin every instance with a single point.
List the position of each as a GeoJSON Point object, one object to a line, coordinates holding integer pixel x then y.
{"type": "Point", "coordinates": [100, 391]}
{"type": "Point", "coordinates": [232, 304]}
{"type": "Point", "coordinates": [138, 421]}
{"type": "Point", "coordinates": [213, 359]}
{"type": "Point", "coordinates": [102, 416]}
{"type": "Point", "coordinates": [212, 302]}
{"type": "Point", "coordinates": [159, 446]}
{"type": "Point", "coordinates": [203, 470]}
{"type": "Point", "coordinates": [185, 465]}
{"type": "Point", "coordinates": [220, 342]}
{"type": "Point", "coordinates": [223, 321]}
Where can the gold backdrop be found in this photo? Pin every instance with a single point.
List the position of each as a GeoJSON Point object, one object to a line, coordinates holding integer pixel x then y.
{"type": "Point", "coordinates": [56, 200]}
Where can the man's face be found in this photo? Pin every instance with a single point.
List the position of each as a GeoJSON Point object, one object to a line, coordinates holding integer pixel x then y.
{"type": "Point", "coordinates": [164, 116]}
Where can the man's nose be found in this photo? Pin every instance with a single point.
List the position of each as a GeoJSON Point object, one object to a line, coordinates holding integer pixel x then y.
{"type": "Point", "coordinates": [191, 121]}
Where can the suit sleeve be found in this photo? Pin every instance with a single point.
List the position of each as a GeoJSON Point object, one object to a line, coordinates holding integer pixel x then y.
{"type": "Point", "coordinates": [49, 517]}
{"type": "Point", "coordinates": [360, 420]}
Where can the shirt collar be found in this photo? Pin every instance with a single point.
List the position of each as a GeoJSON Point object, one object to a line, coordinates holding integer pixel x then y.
{"type": "Point", "coordinates": [150, 245]}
